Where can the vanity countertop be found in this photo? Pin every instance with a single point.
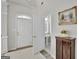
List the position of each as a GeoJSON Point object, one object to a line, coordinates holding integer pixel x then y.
{"type": "Point", "coordinates": [70, 38]}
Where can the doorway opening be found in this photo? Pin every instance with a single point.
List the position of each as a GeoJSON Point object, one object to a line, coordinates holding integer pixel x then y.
{"type": "Point", "coordinates": [48, 33]}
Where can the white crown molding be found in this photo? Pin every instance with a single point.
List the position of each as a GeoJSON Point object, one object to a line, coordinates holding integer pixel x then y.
{"type": "Point", "coordinates": [28, 6]}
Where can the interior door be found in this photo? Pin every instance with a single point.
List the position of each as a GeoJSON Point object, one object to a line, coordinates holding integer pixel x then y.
{"type": "Point", "coordinates": [24, 32]}
{"type": "Point", "coordinates": [38, 33]}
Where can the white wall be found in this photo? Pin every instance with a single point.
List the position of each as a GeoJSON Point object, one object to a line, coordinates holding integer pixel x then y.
{"type": "Point", "coordinates": [57, 6]}
{"type": "Point", "coordinates": [13, 11]}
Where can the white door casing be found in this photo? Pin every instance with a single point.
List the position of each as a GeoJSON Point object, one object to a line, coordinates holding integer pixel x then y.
{"type": "Point", "coordinates": [4, 37]}
{"type": "Point", "coordinates": [38, 33]}
{"type": "Point", "coordinates": [4, 48]}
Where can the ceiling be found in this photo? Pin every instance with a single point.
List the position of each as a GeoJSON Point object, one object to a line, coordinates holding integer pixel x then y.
{"type": "Point", "coordinates": [28, 3]}
{"type": "Point", "coordinates": [43, 5]}
{"type": "Point", "coordinates": [31, 3]}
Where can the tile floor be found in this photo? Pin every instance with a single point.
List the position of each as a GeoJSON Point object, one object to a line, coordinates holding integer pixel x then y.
{"type": "Point", "coordinates": [26, 53]}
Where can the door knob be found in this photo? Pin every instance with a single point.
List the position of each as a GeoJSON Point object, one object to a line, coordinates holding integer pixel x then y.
{"type": "Point", "coordinates": [34, 36]}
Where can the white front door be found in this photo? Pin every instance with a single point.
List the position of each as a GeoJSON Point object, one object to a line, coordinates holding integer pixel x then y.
{"type": "Point", "coordinates": [24, 32]}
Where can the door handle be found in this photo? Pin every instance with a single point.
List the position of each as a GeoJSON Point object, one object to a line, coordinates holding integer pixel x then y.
{"type": "Point", "coordinates": [34, 36]}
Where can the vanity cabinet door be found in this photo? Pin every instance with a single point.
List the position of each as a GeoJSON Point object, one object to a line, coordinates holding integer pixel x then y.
{"type": "Point", "coordinates": [58, 49]}
{"type": "Point", "coordinates": [66, 49]}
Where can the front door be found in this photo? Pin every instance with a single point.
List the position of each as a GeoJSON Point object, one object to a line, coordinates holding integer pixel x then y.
{"type": "Point", "coordinates": [24, 32]}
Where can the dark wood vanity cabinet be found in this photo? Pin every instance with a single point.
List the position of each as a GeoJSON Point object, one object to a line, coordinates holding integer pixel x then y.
{"type": "Point", "coordinates": [65, 48]}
